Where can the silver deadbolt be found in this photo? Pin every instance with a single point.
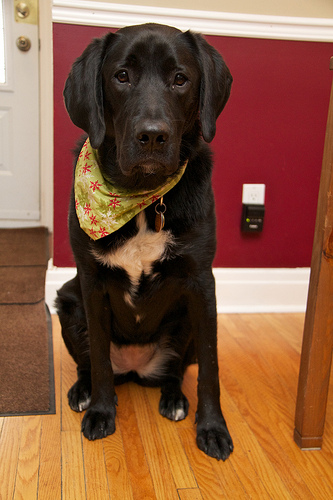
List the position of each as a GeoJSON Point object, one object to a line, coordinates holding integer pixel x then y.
{"type": "Point", "coordinates": [23, 43]}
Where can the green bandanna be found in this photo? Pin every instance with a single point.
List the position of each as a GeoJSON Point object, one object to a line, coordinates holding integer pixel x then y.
{"type": "Point", "coordinates": [100, 207]}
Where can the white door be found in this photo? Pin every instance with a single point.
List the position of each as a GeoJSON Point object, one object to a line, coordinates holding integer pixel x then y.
{"type": "Point", "coordinates": [19, 114]}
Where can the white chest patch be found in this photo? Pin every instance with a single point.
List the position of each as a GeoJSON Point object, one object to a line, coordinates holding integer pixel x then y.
{"type": "Point", "coordinates": [139, 253]}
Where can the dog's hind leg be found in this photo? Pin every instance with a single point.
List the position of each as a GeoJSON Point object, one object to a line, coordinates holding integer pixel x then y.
{"type": "Point", "coordinates": [74, 332]}
{"type": "Point", "coordinates": [173, 403]}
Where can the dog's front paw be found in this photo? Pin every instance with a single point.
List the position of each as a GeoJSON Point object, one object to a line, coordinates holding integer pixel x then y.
{"type": "Point", "coordinates": [79, 395]}
{"type": "Point", "coordinates": [173, 406]}
{"type": "Point", "coordinates": [215, 442]}
{"type": "Point", "coordinates": [98, 423]}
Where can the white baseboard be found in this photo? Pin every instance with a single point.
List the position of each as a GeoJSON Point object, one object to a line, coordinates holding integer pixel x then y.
{"type": "Point", "coordinates": [115, 15]}
{"type": "Point", "coordinates": [237, 290]}
{"type": "Point", "coordinates": [261, 290]}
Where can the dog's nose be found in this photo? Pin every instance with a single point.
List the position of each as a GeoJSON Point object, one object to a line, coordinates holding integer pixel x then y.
{"type": "Point", "coordinates": [152, 135]}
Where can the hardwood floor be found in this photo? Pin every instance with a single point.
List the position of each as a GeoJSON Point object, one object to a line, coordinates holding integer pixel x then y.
{"type": "Point", "coordinates": [150, 457]}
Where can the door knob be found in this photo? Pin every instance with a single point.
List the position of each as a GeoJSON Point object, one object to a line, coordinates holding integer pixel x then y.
{"type": "Point", "coordinates": [23, 43]}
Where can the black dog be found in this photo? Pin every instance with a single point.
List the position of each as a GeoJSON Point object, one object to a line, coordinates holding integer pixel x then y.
{"type": "Point", "coordinates": [142, 306]}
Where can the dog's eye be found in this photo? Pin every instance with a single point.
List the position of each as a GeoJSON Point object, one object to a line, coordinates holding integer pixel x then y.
{"type": "Point", "coordinates": [122, 76]}
{"type": "Point", "coordinates": [180, 80]}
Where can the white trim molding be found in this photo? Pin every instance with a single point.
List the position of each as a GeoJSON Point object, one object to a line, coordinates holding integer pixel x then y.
{"type": "Point", "coordinates": [237, 290]}
{"type": "Point", "coordinates": [261, 290]}
{"type": "Point", "coordinates": [46, 113]}
{"type": "Point", "coordinates": [116, 15]}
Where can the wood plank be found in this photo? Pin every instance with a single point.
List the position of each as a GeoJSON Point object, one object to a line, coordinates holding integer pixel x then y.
{"type": "Point", "coordinates": [225, 471]}
{"type": "Point", "coordinates": [164, 485]}
{"type": "Point", "coordinates": [209, 485]}
{"type": "Point", "coordinates": [9, 448]}
{"type": "Point", "coordinates": [116, 467]}
{"type": "Point", "coordinates": [256, 329]}
{"type": "Point", "coordinates": [50, 454]}
{"type": "Point", "coordinates": [73, 480]}
{"type": "Point", "coordinates": [95, 469]}
{"type": "Point", "coordinates": [291, 330]}
{"type": "Point", "coordinates": [26, 484]}
{"type": "Point", "coordinates": [137, 465]}
{"type": "Point", "coordinates": [50, 458]}
{"type": "Point", "coordinates": [254, 468]}
{"type": "Point", "coordinates": [265, 362]}
{"type": "Point", "coordinates": [190, 494]}
{"type": "Point", "coordinates": [175, 453]}
{"type": "Point", "coordinates": [244, 477]}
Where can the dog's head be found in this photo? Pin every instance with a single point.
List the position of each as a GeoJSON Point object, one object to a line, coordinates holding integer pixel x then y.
{"type": "Point", "coordinates": [145, 89]}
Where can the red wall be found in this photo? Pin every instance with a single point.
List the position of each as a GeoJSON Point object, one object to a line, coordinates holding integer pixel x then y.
{"type": "Point", "coordinates": [272, 131]}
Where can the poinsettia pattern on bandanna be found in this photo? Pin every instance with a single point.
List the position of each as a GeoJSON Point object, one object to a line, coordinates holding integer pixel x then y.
{"type": "Point", "coordinates": [102, 208]}
{"type": "Point", "coordinates": [95, 185]}
{"type": "Point", "coordinates": [114, 203]}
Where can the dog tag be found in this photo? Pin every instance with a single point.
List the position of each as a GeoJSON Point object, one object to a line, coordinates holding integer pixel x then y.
{"type": "Point", "coordinates": [160, 209]}
{"type": "Point", "coordinates": [159, 222]}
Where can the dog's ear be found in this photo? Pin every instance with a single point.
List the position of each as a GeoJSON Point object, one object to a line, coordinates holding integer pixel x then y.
{"type": "Point", "coordinates": [215, 85]}
{"type": "Point", "coordinates": [83, 92]}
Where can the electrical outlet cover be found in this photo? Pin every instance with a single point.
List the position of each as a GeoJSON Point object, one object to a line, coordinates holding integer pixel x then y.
{"type": "Point", "coordinates": [253, 194]}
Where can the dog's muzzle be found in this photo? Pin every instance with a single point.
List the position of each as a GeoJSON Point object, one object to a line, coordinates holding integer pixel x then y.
{"type": "Point", "coordinates": [152, 135]}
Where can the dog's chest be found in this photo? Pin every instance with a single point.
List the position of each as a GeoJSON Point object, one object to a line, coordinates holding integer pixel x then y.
{"type": "Point", "coordinates": [138, 254]}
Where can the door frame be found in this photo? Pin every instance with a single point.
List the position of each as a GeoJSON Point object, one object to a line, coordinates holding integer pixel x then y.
{"type": "Point", "coordinates": [46, 113]}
